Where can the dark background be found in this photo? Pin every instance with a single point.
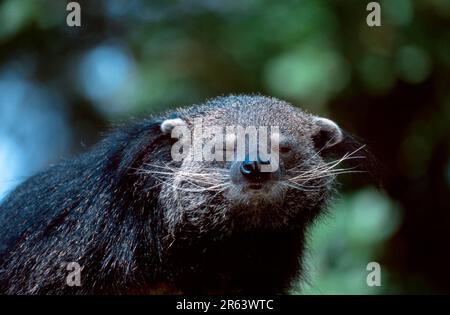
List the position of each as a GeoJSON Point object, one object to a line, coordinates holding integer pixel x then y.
{"type": "Point", "coordinates": [61, 86]}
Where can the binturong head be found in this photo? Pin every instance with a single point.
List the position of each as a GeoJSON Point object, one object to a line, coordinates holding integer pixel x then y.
{"type": "Point", "coordinates": [249, 163]}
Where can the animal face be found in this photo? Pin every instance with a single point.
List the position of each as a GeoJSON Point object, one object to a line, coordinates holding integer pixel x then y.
{"type": "Point", "coordinates": [245, 180]}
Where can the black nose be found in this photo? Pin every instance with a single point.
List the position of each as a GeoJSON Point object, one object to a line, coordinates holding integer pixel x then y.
{"type": "Point", "coordinates": [252, 169]}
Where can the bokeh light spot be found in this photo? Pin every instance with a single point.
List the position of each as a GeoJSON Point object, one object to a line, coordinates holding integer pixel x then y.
{"type": "Point", "coordinates": [413, 64]}
{"type": "Point", "coordinates": [310, 74]}
{"type": "Point", "coordinates": [104, 72]}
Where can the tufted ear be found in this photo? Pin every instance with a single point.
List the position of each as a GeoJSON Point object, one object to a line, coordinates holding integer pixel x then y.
{"type": "Point", "coordinates": [169, 124]}
{"type": "Point", "coordinates": [327, 133]}
{"type": "Point", "coordinates": [147, 136]}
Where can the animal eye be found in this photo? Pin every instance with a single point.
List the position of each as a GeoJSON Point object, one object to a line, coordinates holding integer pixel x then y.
{"type": "Point", "coordinates": [285, 149]}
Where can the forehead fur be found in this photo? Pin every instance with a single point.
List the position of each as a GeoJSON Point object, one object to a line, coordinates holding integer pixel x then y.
{"type": "Point", "coordinates": [252, 111]}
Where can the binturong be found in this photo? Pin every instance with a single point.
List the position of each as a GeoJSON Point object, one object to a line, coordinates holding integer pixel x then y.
{"type": "Point", "coordinates": [145, 212]}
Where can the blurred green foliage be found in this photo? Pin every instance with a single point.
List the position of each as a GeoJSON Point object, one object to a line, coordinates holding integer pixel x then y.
{"type": "Point", "coordinates": [343, 244]}
{"type": "Point", "coordinates": [388, 84]}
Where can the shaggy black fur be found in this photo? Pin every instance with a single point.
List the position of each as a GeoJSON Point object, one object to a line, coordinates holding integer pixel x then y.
{"type": "Point", "coordinates": [95, 211]}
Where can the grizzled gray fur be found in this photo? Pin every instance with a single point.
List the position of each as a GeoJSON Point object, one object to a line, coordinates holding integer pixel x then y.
{"type": "Point", "coordinates": [138, 222]}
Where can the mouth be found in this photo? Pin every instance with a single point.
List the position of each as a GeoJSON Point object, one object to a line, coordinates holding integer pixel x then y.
{"type": "Point", "coordinates": [256, 196]}
{"type": "Point", "coordinates": [255, 186]}
{"type": "Point", "coordinates": [258, 186]}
